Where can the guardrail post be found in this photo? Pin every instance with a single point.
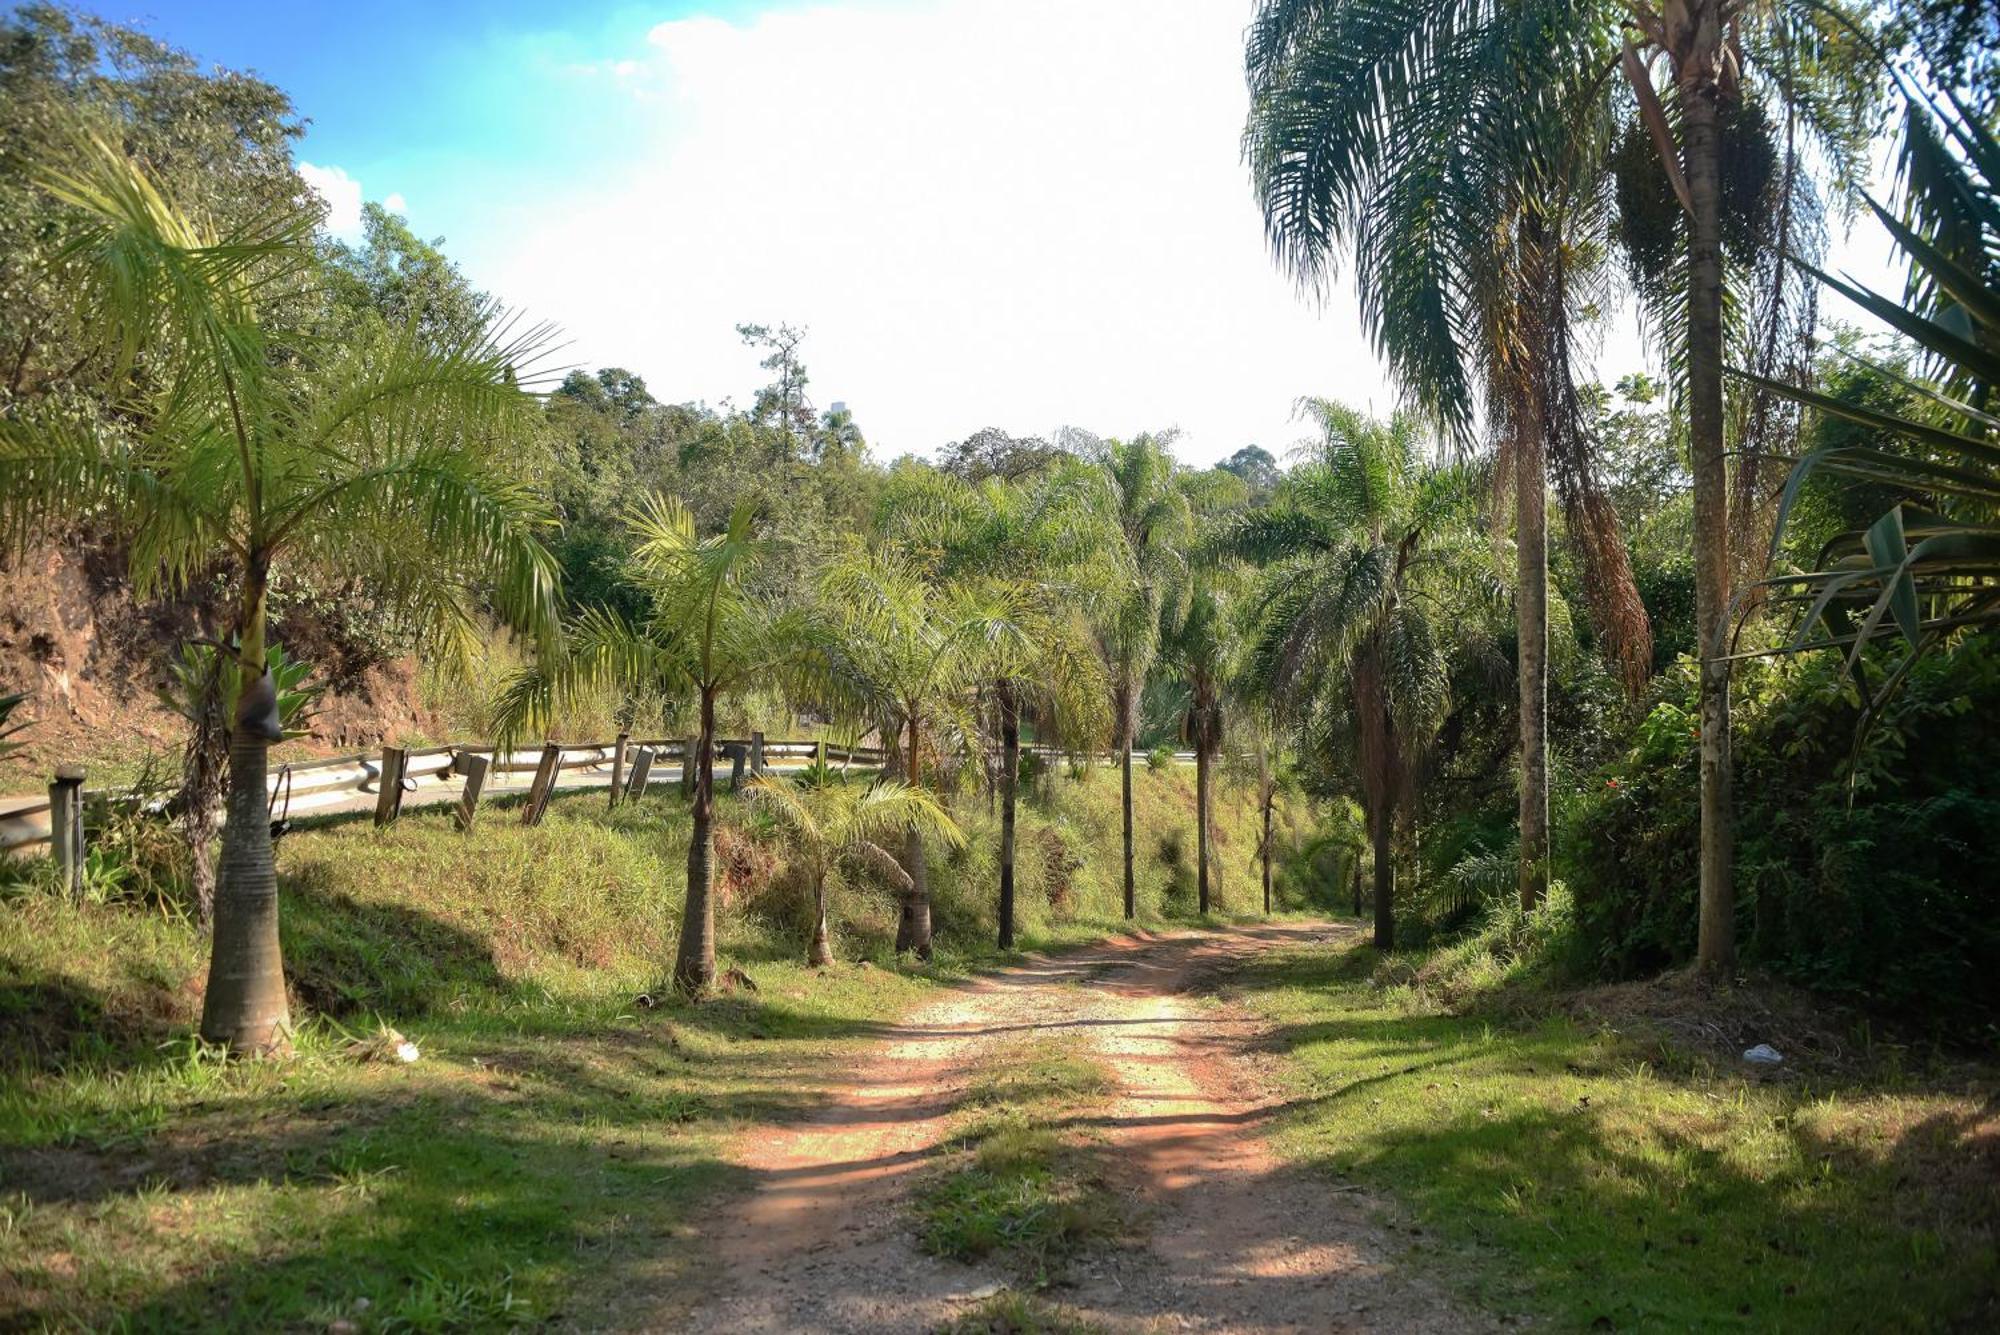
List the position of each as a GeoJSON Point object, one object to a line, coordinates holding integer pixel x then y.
{"type": "Point", "coordinates": [66, 828]}
{"type": "Point", "coordinates": [618, 764]}
{"type": "Point", "coordinates": [689, 746]}
{"type": "Point", "coordinates": [389, 785]}
{"type": "Point", "coordinates": [737, 752]}
{"type": "Point", "coordinates": [642, 770]}
{"type": "Point", "coordinates": [474, 769]}
{"type": "Point", "coordinates": [544, 784]}
{"type": "Point", "coordinates": [757, 753]}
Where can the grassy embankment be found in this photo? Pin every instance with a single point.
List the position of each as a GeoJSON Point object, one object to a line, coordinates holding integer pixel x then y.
{"type": "Point", "coordinates": [1605, 1160]}
{"type": "Point", "coordinates": [551, 1149]}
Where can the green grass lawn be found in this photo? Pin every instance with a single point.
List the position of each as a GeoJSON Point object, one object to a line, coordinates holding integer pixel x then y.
{"type": "Point", "coordinates": [553, 1147]}
{"type": "Point", "coordinates": [1608, 1180]}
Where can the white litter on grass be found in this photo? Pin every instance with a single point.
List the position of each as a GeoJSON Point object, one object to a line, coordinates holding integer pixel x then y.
{"type": "Point", "coordinates": [1763, 1055]}
{"type": "Point", "coordinates": [406, 1051]}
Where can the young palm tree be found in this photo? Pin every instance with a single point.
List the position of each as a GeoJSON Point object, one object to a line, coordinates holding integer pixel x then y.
{"type": "Point", "coordinates": [1359, 548]}
{"type": "Point", "coordinates": [1155, 527]}
{"type": "Point", "coordinates": [899, 649]}
{"type": "Point", "coordinates": [708, 635]}
{"type": "Point", "coordinates": [381, 461]}
{"type": "Point", "coordinates": [828, 820]}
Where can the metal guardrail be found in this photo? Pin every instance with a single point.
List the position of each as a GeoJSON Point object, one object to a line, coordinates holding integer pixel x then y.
{"type": "Point", "coordinates": [436, 773]}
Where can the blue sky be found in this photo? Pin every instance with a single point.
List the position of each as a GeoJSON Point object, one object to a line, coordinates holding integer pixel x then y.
{"type": "Point", "coordinates": [1016, 213]}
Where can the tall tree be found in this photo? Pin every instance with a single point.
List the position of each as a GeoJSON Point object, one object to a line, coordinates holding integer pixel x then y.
{"type": "Point", "coordinates": [1200, 646]}
{"type": "Point", "coordinates": [1154, 528]}
{"type": "Point", "coordinates": [1363, 551]}
{"type": "Point", "coordinates": [383, 458]}
{"type": "Point", "coordinates": [708, 635]}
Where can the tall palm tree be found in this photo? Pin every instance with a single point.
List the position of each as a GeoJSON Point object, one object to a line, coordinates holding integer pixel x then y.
{"type": "Point", "coordinates": [1155, 527]}
{"type": "Point", "coordinates": [1031, 554]}
{"type": "Point", "coordinates": [1459, 187]}
{"type": "Point", "coordinates": [709, 635]}
{"type": "Point", "coordinates": [1363, 552]}
{"type": "Point", "coordinates": [1496, 107]}
{"type": "Point", "coordinates": [828, 820]}
{"type": "Point", "coordinates": [1200, 646]}
{"type": "Point", "coordinates": [381, 461]}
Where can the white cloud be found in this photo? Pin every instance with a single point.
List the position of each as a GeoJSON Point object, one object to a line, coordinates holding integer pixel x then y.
{"type": "Point", "coordinates": [342, 194]}
{"type": "Point", "coordinates": [395, 203]}
{"type": "Point", "coordinates": [1019, 213]}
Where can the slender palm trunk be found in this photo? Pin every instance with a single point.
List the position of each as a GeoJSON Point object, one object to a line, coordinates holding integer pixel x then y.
{"type": "Point", "coordinates": [1201, 814]}
{"type": "Point", "coordinates": [1716, 952]}
{"type": "Point", "coordinates": [1357, 881]}
{"type": "Point", "coordinates": [244, 1005]}
{"type": "Point", "coordinates": [1531, 610]}
{"type": "Point", "coordinates": [820, 953]}
{"type": "Point", "coordinates": [1266, 846]}
{"type": "Point", "coordinates": [694, 965]}
{"type": "Point", "coordinates": [913, 930]}
{"type": "Point", "coordinates": [1010, 769]}
{"type": "Point", "coordinates": [1123, 704]}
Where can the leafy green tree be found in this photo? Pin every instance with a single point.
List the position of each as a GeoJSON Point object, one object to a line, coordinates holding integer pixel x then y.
{"type": "Point", "coordinates": [1200, 646]}
{"type": "Point", "coordinates": [382, 459]}
{"type": "Point", "coordinates": [1154, 528]}
{"type": "Point", "coordinates": [1258, 468]}
{"type": "Point", "coordinates": [707, 635]}
{"type": "Point", "coordinates": [828, 821]}
{"type": "Point", "coordinates": [1364, 554]}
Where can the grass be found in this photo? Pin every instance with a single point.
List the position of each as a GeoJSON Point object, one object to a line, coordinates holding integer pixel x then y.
{"type": "Point", "coordinates": [1607, 1178]}
{"type": "Point", "coordinates": [550, 1152]}
{"type": "Point", "coordinates": [1012, 1313]}
{"type": "Point", "coordinates": [1012, 1184]}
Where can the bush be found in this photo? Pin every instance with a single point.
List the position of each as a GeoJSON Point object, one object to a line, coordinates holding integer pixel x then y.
{"type": "Point", "coordinates": [1159, 758]}
{"type": "Point", "coordinates": [1879, 889]}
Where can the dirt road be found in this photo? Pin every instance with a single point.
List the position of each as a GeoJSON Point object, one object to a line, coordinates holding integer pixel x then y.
{"type": "Point", "coordinates": [1228, 1239]}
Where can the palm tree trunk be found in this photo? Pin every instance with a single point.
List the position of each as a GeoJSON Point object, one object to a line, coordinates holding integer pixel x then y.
{"type": "Point", "coordinates": [1357, 881]}
{"type": "Point", "coordinates": [1716, 953]}
{"type": "Point", "coordinates": [913, 930]}
{"type": "Point", "coordinates": [820, 954]}
{"type": "Point", "coordinates": [1531, 610]}
{"type": "Point", "coordinates": [1010, 768]}
{"type": "Point", "coordinates": [245, 1004]}
{"type": "Point", "coordinates": [694, 965]}
{"type": "Point", "coordinates": [1201, 815]}
{"type": "Point", "coordinates": [1385, 881]}
{"type": "Point", "coordinates": [1266, 847]}
{"type": "Point", "coordinates": [1122, 702]}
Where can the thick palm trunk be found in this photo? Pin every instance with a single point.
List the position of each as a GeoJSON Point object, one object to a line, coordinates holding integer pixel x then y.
{"type": "Point", "coordinates": [1201, 818]}
{"type": "Point", "coordinates": [694, 965]}
{"type": "Point", "coordinates": [1716, 952]}
{"type": "Point", "coordinates": [1010, 769]}
{"type": "Point", "coordinates": [1385, 882]}
{"type": "Point", "coordinates": [820, 953]}
{"type": "Point", "coordinates": [1531, 610]}
{"type": "Point", "coordinates": [1123, 704]}
{"type": "Point", "coordinates": [245, 1003]}
{"type": "Point", "coordinates": [913, 929]}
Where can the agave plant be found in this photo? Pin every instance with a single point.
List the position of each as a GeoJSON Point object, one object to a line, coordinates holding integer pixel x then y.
{"type": "Point", "coordinates": [1930, 566]}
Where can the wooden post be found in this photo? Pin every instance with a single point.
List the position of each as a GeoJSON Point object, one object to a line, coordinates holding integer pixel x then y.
{"type": "Point", "coordinates": [737, 752]}
{"type": "Point", "coordinates": [389, 785]}
{"type": "Point", "coordinates": [642, 770]}
{"type": "Point", "coordinates": [66, 828]}
{"type": "Point", "coordinates": [688, 748]}
{"type": "Point", "coordinates": [544, 784]}
{"type": "Point", "coordinates": [757, 753]}
{"type": "Point", "coordinates": [618, 764]}
{"type": "Point", "coordinates": [474, 768]}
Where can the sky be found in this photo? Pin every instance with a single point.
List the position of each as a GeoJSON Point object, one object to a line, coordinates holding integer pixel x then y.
{"type": "Point", "coordinates": [1011, 213]}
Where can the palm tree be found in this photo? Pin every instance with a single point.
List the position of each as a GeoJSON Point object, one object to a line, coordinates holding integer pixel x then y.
{"type": "Point", "coordinates": [1438, 177]}
{"type": "Point", "coordinates": [1030, 554]}
{"type": "Point", "coordinates": [828, 820]}
{"type": "Point", "coordinates": [1155, 526]}
{"type": "Point", "coordinates": [380, 461]}
{"type": "Point", "coordinates": [1200, 646]}
{"type": "Point", "coordinates": [707, 636]}
{"type": "Point", "coordinates": [1469, 277]}
{"type": "Point", "coordinates": [898, 649]}
{"type": "Point", "coordinates": [1363, 552]}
